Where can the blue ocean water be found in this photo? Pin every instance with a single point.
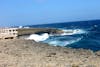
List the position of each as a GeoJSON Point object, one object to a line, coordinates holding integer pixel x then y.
{"type": "Point", "coordinates": [83, 34]}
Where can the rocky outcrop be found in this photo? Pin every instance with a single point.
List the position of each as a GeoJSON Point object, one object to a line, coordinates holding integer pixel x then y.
{"type": "Point", "coordinates": [27, 31]}
{"type": "Point", "coordinates": [27, 53]}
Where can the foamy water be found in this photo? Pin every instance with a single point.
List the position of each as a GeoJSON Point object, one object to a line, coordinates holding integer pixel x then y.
{"type": "Point", "coordinates": [82, 34]}
{"type": "Point", "coordinates": [38, 38]}
{"type": "Point", "coordinates": [63, 43]}
{"type": "Point", "coordinates": [73, 32]}
{"type": "Point", "coordinates": [57, 41]}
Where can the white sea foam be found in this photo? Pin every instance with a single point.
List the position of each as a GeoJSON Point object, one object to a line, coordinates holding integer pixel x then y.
{"type": "Point", "coordinates": [64, 43]}
{"type": "Point", "coordinates": [56, 42]}
{"type": "Point", "coordinates": [38, 38]}
{"type": "Point", "coordinates": [20, 26]}
{"type": "Point", "coordinates": [73, 32]}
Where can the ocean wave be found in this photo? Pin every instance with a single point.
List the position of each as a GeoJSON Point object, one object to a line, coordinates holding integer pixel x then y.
{"type": "Point", "coordinates": [73, 32]}
{"type": "Point", "coordinates": [85, 34]}
{"type": "Point", "coordinates": [38, 38]}
{"type": "Point", "coordinates": [57, 42]}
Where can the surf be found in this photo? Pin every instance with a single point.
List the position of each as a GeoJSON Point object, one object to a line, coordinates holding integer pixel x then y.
{"type": "Point", "coordinates": [38, 38]}
{"type": "Point", "coordinates": [73, 31]}
{"type": "Point", "coordinates": [57, 42]}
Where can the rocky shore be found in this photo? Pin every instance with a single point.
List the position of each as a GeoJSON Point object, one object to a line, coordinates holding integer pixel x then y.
{"type": "Point", "coordinates": [27, 53]}
{"type": "Point", "coordinates": [27, 31]}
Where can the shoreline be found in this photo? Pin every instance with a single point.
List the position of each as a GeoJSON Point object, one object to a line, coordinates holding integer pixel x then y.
{"type": "Point", "coordinates": [24, 53]}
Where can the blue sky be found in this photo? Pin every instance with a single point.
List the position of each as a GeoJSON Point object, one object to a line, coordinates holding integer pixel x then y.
{"type": "Point", "coordinates": [23, 12]}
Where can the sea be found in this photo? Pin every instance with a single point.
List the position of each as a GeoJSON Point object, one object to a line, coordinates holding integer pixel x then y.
{"type": "Point", "coordinates": [78, 34]}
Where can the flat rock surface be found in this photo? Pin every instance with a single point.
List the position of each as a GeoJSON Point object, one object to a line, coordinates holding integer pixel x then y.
{"type": "Point", "coordinates": [27, 53]}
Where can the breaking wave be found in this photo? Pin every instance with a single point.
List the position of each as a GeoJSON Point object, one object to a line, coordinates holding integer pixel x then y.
{"type": "Point", "coordinates": [62, 43]}
{"type": "Point", "coordinates": [38, 38]}
{"type": "Point", "coordinates": [73, 32]}
{"type": "Point", "coordinates": [63, 39]}
{"type": "Point", "coordinates": [82, 34]}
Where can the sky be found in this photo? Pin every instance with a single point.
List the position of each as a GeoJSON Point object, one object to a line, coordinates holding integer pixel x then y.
{"type": "Point", "coordinates": [30, 12]}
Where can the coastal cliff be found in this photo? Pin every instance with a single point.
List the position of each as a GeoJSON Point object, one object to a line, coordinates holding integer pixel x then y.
{"type": "Point", "coordinates": [27, 53]}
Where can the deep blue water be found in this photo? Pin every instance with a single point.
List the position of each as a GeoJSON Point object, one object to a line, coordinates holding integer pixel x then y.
{"type": "Point", "coordinates": [87, 36]}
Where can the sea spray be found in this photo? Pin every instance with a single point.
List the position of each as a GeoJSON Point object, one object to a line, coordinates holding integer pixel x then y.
{"type": "Point", "coordinates": [73, 31]}
{"type": "Point", "coordinates": [38, 38]}
{"type": "Point", "coordinates": [63, 43]}
{"type": "Point", "coordinates": [89, 30]}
